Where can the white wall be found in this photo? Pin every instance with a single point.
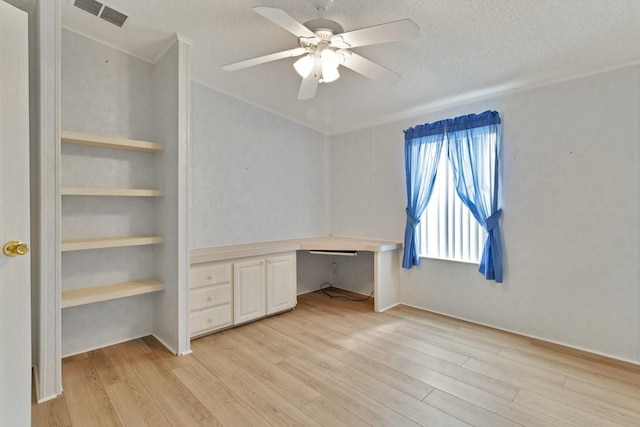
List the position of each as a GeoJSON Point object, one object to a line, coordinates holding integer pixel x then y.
{"type": "Point", "coordinates": [571, 190]}
{"type": "Point", "coordinates": [256, 176]}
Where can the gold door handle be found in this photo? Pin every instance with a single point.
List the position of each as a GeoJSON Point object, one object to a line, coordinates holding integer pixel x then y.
{"type": "Point", "coordinates": [14, 248]}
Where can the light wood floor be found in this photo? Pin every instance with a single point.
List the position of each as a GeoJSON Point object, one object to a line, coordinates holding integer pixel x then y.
{"type": "Point", "coordinates": [332, 362]}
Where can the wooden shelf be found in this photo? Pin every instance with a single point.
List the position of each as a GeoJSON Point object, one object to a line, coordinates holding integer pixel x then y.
{"type": "Point", "coordinates": [98, 191]}
{"type": "Point", "coordinates": [84, 296]}
{"type": "Point", "coordinates": [109, 242]}
{"type": "Point", "coordinates": [77, 138]}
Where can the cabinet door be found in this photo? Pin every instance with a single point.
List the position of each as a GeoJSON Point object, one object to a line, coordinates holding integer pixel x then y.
{"type": "Point", "coordinates": [281, 283]}
{"type": "Point", "coordinates": [249, 299]}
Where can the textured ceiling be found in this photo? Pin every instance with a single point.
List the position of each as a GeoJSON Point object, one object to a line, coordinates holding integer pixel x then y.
{"type": "Point", "coordinates": [467, 49]}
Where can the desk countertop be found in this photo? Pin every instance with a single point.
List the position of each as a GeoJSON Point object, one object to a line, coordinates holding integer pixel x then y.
{"type": "Point", "coordinates": [325, 243]}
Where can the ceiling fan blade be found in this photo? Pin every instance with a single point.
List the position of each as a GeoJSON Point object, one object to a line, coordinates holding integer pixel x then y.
{"type": "Point", "coordinates": [404, 29]}
{"type": "Point", "coordinates": [310, 83]}
{"type": "Point", "coordinates": [369, 68]}
{"type": "Point", "coordinates": [266, 58]}
{"type": "Point", "coordinates": [283, 19]}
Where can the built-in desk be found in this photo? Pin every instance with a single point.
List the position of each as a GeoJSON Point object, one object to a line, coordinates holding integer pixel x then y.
{"type": "Point", "coordinates": [386, 258]}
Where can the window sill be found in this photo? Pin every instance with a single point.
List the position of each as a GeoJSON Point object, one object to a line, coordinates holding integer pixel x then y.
{"type": "Point", "coordinates": [450, 259]}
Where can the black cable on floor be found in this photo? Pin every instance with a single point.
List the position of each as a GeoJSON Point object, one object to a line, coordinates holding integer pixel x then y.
{"type": "Point", "coordinates": [324, 291]}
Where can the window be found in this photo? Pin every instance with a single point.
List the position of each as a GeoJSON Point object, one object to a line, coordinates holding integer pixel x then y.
{"type": "Point", "coordinates": [461, 153]}
{"type": "Point", "coordinates": [447, 228]}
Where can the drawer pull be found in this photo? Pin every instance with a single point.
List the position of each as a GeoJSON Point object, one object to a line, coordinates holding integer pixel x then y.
{"type": "Point", "coordinates": [210, 277]}
{"type": "Point", "coordinates": [210, 319]}
{"type": "Point", "coordinates": [211, 298]}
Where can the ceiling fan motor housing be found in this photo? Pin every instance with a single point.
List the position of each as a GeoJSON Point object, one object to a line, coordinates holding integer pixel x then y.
{"type": "Point", "coordinates": [324, 28]}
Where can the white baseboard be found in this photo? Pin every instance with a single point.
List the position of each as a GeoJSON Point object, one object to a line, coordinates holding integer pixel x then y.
{"type": "Point", "coordinates": [621, 359]}
{"type": "Point", "coordinates": [394, 305]}
{"type": "Point", "coordinates": [169, 347]}
{"type": "Point", "coordinates": [307, 292]}
{"type": "Point", "coordinates": [36, 379]}
{"type": "Point", "coordinates": [106, 345]}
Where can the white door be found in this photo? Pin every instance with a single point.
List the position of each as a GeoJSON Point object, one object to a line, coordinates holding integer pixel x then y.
{"type": "Point", "coordinates": [248, 291]}
{"type": "Point", "coordinates": [15, 282]}
{"type": "Point", "coordinates": [281, 283]}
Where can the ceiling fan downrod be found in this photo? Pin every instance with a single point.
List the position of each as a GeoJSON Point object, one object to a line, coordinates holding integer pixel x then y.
{"type": "Point", "coordinates": [322, 6]}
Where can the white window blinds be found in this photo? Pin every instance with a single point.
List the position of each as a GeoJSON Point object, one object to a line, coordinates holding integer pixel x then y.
{"type": "Point", "coordinates": [447, 228]}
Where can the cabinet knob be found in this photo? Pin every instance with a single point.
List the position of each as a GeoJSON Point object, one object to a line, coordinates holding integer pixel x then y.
{"type": "Point", "coordinates": [210, 277]}
{"type": "Point", "coordinates": [210, 319]}
{"type": "Point", "coordinates": [211, 298]}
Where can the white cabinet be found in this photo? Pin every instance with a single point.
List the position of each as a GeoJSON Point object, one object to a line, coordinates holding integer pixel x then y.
{"type": "Point", "coordinates": [264, 286]}
{"type": "Point", "coordinates": [281, 283]}
{"type": "Point", "coordinates": [237, 291]}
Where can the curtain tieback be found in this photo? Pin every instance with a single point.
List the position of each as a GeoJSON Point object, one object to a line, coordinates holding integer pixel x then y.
{"type": "Point", "coordinates": [492, 221]}
{"type": "Point", "coordinates": [411, 220]}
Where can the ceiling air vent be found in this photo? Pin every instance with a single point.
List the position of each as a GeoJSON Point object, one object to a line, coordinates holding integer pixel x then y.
{"type": "Point", "coordinates": [113, 16]}
{"type": "Point", "coordinates": [91, 6]}
{"type": "Point", "coordinates": [101, 10]}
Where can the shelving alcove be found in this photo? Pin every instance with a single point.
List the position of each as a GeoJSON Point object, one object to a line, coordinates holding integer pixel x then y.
{"type": "Point", "coordinates": [109, 291]}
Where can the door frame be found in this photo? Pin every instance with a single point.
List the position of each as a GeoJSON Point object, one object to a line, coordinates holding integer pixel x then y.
{"type": "Point", "coordinates": [44, 100]}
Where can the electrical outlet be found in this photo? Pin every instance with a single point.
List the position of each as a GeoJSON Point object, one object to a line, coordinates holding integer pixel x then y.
{"type": "Point", "coordinates": [334, 267]}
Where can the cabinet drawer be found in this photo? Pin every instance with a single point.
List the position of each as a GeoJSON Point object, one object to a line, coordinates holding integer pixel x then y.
{"type": "Point", "coordinates": [208, 275]}
{"type": "Point", "coordinates": [210, 319]}
{"type": "Point", "coordinates": [209, 297]}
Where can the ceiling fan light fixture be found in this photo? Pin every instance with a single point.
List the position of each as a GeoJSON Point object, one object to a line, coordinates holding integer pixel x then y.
{"type": "Point", "coordinates": [304, 65]}
{"type": "Point", "coordinates": [330, 63]}
{"type": "Point", "coordinates": [329, 74]}
{"type": "Point", "coordinates": [330, 58]}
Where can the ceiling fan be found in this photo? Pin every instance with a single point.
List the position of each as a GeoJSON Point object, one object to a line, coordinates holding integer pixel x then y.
{"type": "Point", "coordinates": [326, 46]}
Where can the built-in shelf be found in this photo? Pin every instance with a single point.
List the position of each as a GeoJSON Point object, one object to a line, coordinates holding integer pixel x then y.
{"type": "Point", "coordinates": [77, 138]}
{"type": "Point", "coordinates": [109, 242]}
{"type": "Point", "coordinates": [98, 191]}
{"type": "Point", "coordinates": [91, 295]}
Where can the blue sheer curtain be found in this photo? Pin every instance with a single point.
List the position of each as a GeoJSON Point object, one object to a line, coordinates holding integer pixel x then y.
{"type": "Point", "coordinates": [473, 153]}
{"type": "Point", "coordinates": [422, 146]}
